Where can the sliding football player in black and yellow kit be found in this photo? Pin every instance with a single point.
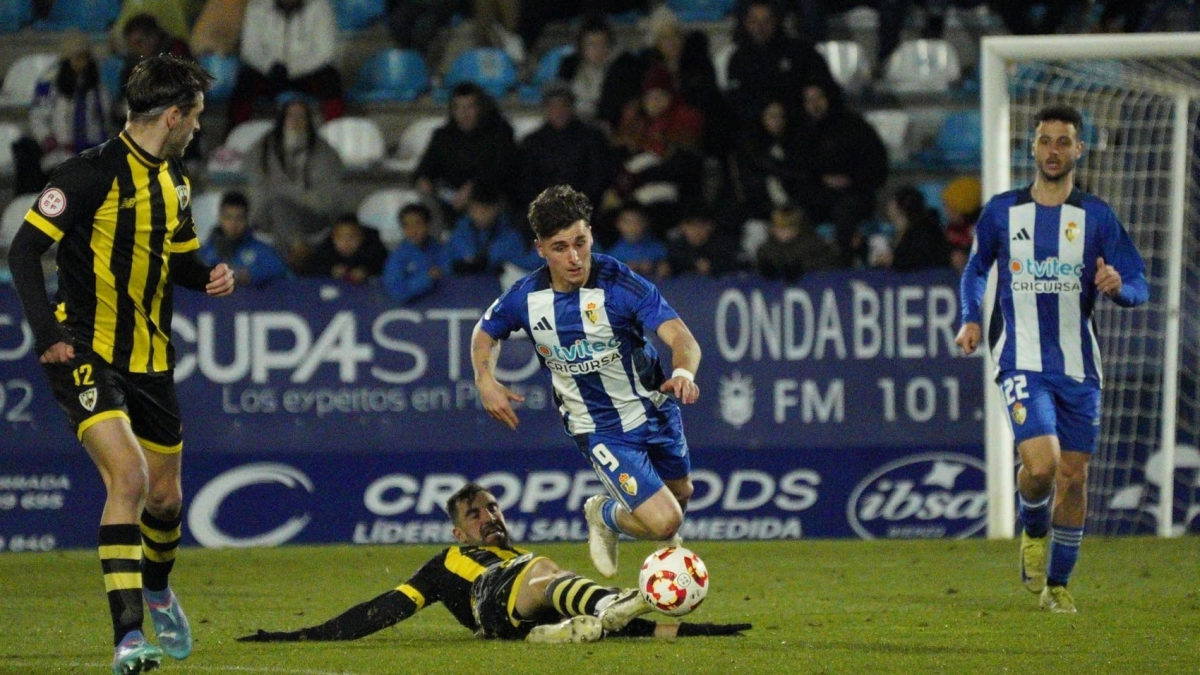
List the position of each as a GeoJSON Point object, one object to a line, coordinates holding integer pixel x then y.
{"type": "Point", "coordinates": [499, 591]}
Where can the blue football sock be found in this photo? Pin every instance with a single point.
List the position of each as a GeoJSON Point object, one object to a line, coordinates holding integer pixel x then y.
{"type": "Point", "coordinates": [1064, 552]}
{"type": "Point", "coordinates": [1034, 515]}
{"type": "Point", "coordinates": [609, 513]}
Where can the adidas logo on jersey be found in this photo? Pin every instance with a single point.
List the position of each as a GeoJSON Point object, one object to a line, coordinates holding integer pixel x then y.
{"type": "Point", "coordinates": [1022, 235]}
{"type": "Point", "coordinates": [543, 324]}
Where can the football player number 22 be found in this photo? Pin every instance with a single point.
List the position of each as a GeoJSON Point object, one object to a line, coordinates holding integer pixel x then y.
{"type": "Point", "coordinates": [1015, 389]}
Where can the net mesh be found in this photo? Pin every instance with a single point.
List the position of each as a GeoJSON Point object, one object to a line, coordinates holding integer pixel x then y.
{"type": "Point", "coordinates": [1129, 108]}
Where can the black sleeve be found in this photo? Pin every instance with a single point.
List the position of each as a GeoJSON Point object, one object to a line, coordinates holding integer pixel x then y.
{"type": "Point", "coordinates": [711, 629]}
{"type": "Point", "coordinates": [25, 261]}
{"type": "Point", "coordinates": [359, 621]}
{"type": "Point", "coordinates": [189, 271]}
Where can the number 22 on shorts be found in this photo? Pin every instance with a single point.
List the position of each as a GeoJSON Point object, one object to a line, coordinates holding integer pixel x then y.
{"type": "Point", "coordinates": [1015, 389]}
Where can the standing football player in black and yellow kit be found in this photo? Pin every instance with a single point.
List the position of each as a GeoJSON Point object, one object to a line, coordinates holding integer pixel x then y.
{"type": "Point", "coordinates": [499, 591]}
{"type": "Point", "coordinates": [121, 215]}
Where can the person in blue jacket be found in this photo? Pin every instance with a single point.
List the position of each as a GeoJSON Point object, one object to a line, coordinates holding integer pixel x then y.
{"type": "Point", "coordinates": [415, 266]}
{"type": "Point", "coordinates": [254, 261]}
{"type": "Point", "coordinates": [484, 238]}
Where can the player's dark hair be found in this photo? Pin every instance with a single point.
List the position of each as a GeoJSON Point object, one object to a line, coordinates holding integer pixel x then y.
{"type": "Point", "coordinates": [162, 81]}
{"type": "Point", "coordinates": [558, 208]}
{"type": "Point", "coordinates": [1060, 113]}
{"type": "Point", "coordinates": [235, 198]}
{"type": "Point", "coordinates": [419, 209]}
{"type": "Point", "coordinates": [464, 495]}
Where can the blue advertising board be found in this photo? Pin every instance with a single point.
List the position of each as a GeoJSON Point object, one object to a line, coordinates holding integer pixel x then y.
{"type": "Point", "coordinates": [836, 406]}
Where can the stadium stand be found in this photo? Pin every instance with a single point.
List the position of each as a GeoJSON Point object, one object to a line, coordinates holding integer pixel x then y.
{"type": "Point", "coordinates": [206, 208]}
{"type": "Point", "coordinates": [93, 16]}
{"type": "Point", "coordinates": [22, 77]}
{"type": "Point", "coordinates": [357, 140]}
{"type": "Point", "coordinates": [14, 215]}
{"type": "Point", "coordinates": [923, 66]}
{"type": "Point", "coordinates": [391, 75]}
{"type": "Point", "coordinates": [224, 67]}
{"type": "Point", "coordinates": [353, 15]}
{"type": "Point", "coordinates": [847, 63]}
{"type": "Point", "coordinates": [381, 210]}
{"type": "Point", "coordinates": [413, 141]}
{"type": "Point", "coordinates": [547, 70]}
{"type": "Point", "coordinates": [9, 133]}
{"type": "Point", "coordinates": [14, 16]}
{"type": "Point", "coordinates": [701, 10]}
{"type": "Point", "coordinates": [490, 68]}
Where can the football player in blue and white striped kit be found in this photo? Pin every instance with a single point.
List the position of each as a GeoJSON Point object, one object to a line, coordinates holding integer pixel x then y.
{"type": "Point", "coordinates": [587, 314]}
{"type": "Point", "coordinates": [1056, 248]}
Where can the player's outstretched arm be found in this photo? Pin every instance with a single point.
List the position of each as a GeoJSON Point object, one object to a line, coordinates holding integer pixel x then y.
{"type": "Point", "coordinates": [685, 360]}
{"type": "Point", "coordinates": [495, 397]}
{"type": "Point", "coordinates": [359, 621]}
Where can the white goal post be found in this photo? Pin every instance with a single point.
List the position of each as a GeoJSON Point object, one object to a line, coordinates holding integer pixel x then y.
{"type": "Point", "coordinates": [1000, 59]}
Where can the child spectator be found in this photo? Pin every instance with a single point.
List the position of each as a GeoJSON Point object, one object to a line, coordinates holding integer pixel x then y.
{"type": "Point", "coordinates": [418, 262]}
{"type": "Point", "coordinates": [254, 262]}
{"type": "Point", "coordinates": [642, 252]}
{"type": "Point", "coordinates": [352, 252]}
{"type": "Point", "coordinates": [484, 238]}
{"type": "Point", "coordinates": [793, 247]}
{"type": "Point", "coordinates": [693, 248]}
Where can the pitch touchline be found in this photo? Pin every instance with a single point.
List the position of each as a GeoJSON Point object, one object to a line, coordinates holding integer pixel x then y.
{"type": "Point", "coordinates": [236, 669]}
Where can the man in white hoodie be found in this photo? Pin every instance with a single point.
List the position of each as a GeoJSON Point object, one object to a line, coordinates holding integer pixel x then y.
{"type": "Point", "coordinates": [288, 45]}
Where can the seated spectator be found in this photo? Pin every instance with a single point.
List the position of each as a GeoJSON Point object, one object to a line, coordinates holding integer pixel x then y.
{"type": "Point", "coordinates": [416, 265]}
{"type": "Point", "coordinates": [845, 164]}
{"type": "Point", "coordinates": [288, 45]}
{"type": "Point", "coordinates": [962, 200]}
{"type": "Point", "coordinates": [564, 150]}
{"type": "Point", "coordinates": [793, 247]}
{"type": "Point", "coordinates": [919, 243]}
{"type": "Point", "coordinates": [601, 78]}
{"type": "Point", "coordinates": [475, 146]}
{"type": "Point", "coordinates": [416, 24]}
{"type": "Point", "coordinates": [254, 262]}
{"type": "Point", "coordinates": [351, 253]}
{"type": "Point", "coordinates": [484, 239]}
{"type": "Point", "coordinates": [767, 64]}
{"type": "Point", "coordinates": [174, 16]}
{"type": "Point", "coordinates": [769, 173]}
{"type": "Point", "coordinates": [145, 38]}
{"type": "Point", "coordinates": [637, 248]}
{"type": "Point", "coordinates": [694, 248]}
{"type": "Point", "coordinates": [69, 113]}
{"type": "Point", "coordinates": [293, 176]}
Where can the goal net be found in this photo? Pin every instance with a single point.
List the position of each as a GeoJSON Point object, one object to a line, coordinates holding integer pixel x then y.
{"type": "Point", "coordinates": [1141, 105]}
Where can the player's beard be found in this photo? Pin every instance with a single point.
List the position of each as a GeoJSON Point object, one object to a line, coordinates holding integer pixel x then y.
{"type": "Point", "coordinates": [176, 144]}
{"type": "Point", "coordinates": [1066, 166]}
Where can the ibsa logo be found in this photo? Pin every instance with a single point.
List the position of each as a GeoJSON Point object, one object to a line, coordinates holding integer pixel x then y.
{"type": "Point", "coordinates": [1050, 268]}
{"type": "Point", "coordinates": [206, 505]}
{"type": "Point", "coordinates": [1145, 498]}
{"type": "Point", "coordinates": [934, 494]}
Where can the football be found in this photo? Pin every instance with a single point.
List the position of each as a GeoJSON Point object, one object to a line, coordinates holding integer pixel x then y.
{"type": "Point", "coordinates": [673, 580]}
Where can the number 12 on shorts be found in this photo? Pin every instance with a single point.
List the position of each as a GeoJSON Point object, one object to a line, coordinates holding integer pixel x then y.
{"type": "Point", "coordinates": [1015, 389]}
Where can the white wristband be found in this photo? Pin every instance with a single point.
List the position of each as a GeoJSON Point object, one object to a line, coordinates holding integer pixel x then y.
{"type": "Point", "coordinates": [684, 373]}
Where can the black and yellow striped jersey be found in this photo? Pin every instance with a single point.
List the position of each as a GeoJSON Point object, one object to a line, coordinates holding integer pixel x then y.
{"type": "Point", "coordinates": [118, 214]}
{"type": "Point", "coordinates": [447, 578]}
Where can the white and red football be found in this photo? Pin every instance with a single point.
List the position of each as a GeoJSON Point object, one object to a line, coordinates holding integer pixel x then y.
{"type": "Point", "coordinates": [673, 580]}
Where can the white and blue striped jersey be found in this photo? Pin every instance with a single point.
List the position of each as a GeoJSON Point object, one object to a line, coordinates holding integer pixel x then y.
{"type": "Point", "coordinates": [1046, 263]}
{"type": "Point", "coordinates": [606, 374]}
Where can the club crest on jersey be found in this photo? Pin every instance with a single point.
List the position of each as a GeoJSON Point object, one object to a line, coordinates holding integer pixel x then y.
{"type": "Point", "coordinates": [185, 195]}
{"type": "Point", "coordinates": [628, 484]}
{"type": "Point", "coordinates": [1072, 231]}
{"type": "Point", "coordinates": [1019, 412]}
{"type": "Point", "coordinates": [590, 312]}
{"type": "Point", "coordinates": [88, 399]}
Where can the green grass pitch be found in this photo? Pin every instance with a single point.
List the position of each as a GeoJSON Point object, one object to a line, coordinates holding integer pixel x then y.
{"type": "Point", "coordinates": [817, 607]}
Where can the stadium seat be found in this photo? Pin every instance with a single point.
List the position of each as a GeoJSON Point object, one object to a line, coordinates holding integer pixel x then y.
{"type": "Point", "coordinates": [524, 124]}
{"type": "Point", "coordinates": [847, 63]}
{"type": "Point", "coordinates": [720, 59]}
{"type": "Point", "coordinates": [381, 210]}
{"type": "Point", "coordinates": [206, 207]}
{"type": "Point", "coordinates": [490, 68]}
{"type": "Point", "coordinates": [923, 66]}
{"type": "Point", "coordinates": [228, 159]}
{"type": "Point", "coordinates": [413, 141]}
{"type": "Point", "coordinates": [892, 127]}
{"type": "Point", "coordinates": [357, 140]}
{"type": "Point", "coordinates": [357, 14]}
{"type": "Point", "coordinates": [22, 78]}
{"type": "Point", "coordinates": [932, 191]}
{"type": "Point", "coordinates": [110, 74]}
{"type": "Point", "coordinates": [14, 215]}
{"type": "Point", "coordinates": [91, 16]}
{"type": "Point", "coordinates": [959, 143]}
{"type": "Point", "coordinates": [9, 133]}
{"type": "Point", "coordinates": [547, 70]}
{"type": "Point", "coordinates": [225, 69]}
{"type": "Point", "coordinates": [701, 10]}
{"type": "Point", "coordinates": [15, 15]}
{"type": "Point", "coordinates": [391, 75]}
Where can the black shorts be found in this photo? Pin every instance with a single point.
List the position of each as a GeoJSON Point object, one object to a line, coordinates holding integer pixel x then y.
{"type": "Point", "coordinates": [90, 390]}
{"type": "Point", "coordinates": [494, 597]}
